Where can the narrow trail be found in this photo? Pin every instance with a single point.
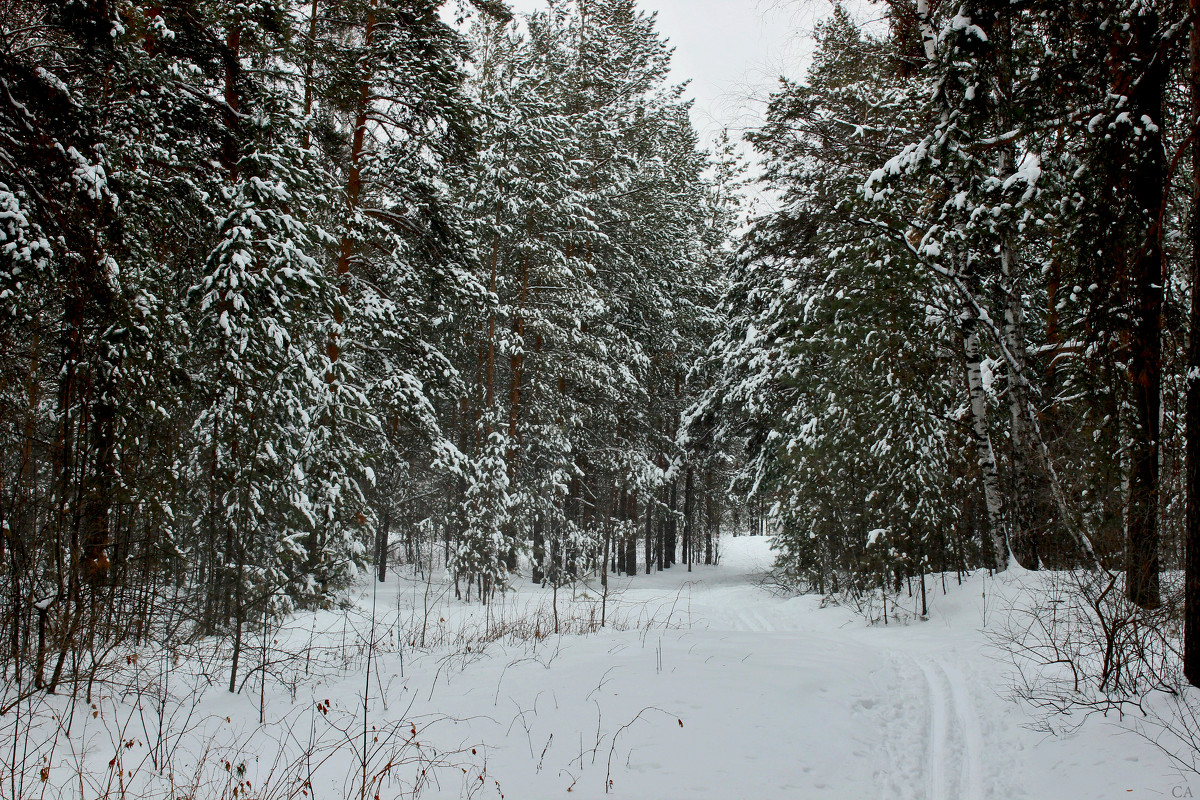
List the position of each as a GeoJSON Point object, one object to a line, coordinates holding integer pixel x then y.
{"type": "Point", "coordinates": [750, 693]}
{"type": "Point", "coordinates": [964, 706]}
{"type": "Point", "coordinates": [954, 749]}
{"type": "Point", "coordinates": [921, 695]}
{"type": "Point", "coordinates": [936, 747]}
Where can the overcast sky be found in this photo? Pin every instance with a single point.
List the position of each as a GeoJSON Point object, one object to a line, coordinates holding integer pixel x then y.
{"type": "Point", "coordinates": [732, 51]}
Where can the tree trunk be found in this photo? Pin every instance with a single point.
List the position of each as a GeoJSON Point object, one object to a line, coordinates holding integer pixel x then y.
{"type": "Point", "coordinates": [688, 532]}
{"type": "Point", "coordinates": [672, 525]}
{"type": "Point", "coordinates": [631, 516]}
{"type": "Point", "coordinates": [709, 520]}
{"type": "Point", "coordinates": [1025, 522]}
{"type": "Point", "coordinates": [717, 536]}
{"type": "Point", "coordinates": [539, 551]}
{"type": "Point", "coordinates": [1146, 184]}
{"type": "Point", "coordinates": [649, 534]}
{"type": "Point", "coordinates": [239, 619]}
{"type": "Point", "coordinates": [660, 539]}
{"type": "Point", "coordinates": [310, 54]}
{"type": "Point", "coordinates": [489, 399]}
{"type": "Point", "coordinates": [618, 555]}
{"type": "Point", "coordinates": [353, 193]}
{"type": "Point", "coordinates": [1191, 580]}
{"type": "Point", "coordinates": [381, 545]}
{"type": "Point", "coordinates": [98, 491]}
{"type": "Point", "coordinates": [984, 454]}
{"type": "Point", "coordinates": [925, 29]}
{"type": "Point", "coordinates": [607, 523]}
{"type": "Point", "coordinates": [231, 153]}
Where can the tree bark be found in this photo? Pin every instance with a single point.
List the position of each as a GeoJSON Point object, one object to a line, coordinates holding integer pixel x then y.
{"type": "Point", "coordinates": [631, 516]}
{"type": "Point", "coordinates": [709, 520]}
{"type": "Point", "coordinates": [984, 453]}
{"type": "Point", "coordinates": [1191, 580]}
{"type": "Point", "coordinates": [539, 551]}
{"type": "Point", "coordinates": [381, 546]}
{"type": "Point", "coordinates": [672, 525]}
{"type": "Point", "coordinates": [516, 370]}
{"type": "Point", "coordinates": [354, 185]}
{"type": "Point", "coordinates": [688, 532]}
{"type": "Point", "coordinates": [1025, 522]}
{"type": "Point", "coordinates": [660, 539]}
{"type": "Point", "coordinates": [649, 533]}
{"type": "Point", "coordinates": [1146, 178]}
{"type": "Point", "coordinates": [310, 55]}
{"type": "Point", "coordinates": [925, 29]}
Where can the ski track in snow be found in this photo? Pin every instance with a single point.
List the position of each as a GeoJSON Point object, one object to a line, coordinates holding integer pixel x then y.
{"type": "Point", "coordinates": [953, 746]}
{"type": "Point", "coordinates": [955, 743]}
{"type": "Point", "coordinates": [935, 744]}
{"type": "Point", "coordinates": [951, 762]}
{"type": "Point", "coordinates": [972, 782]}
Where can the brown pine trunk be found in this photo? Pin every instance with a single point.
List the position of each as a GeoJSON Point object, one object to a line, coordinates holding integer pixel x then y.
{"type": "Point", "coordinates": [353, 192]}
{"type": "Point", "coordinates": [1145, 178]}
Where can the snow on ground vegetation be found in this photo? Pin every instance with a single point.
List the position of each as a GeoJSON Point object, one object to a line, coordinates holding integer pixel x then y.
{"type": "Point", "coordinates": [701, 684]}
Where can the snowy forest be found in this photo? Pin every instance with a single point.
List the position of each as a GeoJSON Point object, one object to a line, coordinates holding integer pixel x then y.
{"type": "Point", "coordinates": [371, 349]}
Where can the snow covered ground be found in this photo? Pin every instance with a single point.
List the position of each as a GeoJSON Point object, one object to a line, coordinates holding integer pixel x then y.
{"type": "Point", "coordinates": [714, 687]}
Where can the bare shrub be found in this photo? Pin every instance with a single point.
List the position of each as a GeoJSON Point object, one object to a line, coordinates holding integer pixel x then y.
{"type": "Point", "coordinates": [1079, 646]}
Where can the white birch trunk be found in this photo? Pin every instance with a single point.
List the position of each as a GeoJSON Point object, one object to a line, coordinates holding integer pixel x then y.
{"type": "Point", "coordinates": [1018, 405]}
{"type": "Point", "coordinates": [1022, 498]}
{"type": "Point", "coordinates": [925, 26]}
{"type": "Point", "coordinates": [985, 455]}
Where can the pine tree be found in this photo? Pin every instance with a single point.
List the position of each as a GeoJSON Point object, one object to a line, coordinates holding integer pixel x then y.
{"type": "Point", "coordinates": [836, 361]}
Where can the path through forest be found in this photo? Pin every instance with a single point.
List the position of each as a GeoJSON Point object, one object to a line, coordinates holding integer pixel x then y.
{"type": "Point", "coordinates": [812, 701]}
{"type": "Point", "coordinates": [749, 693]}
{"type": "Point", "coordinates": [701, 685]}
